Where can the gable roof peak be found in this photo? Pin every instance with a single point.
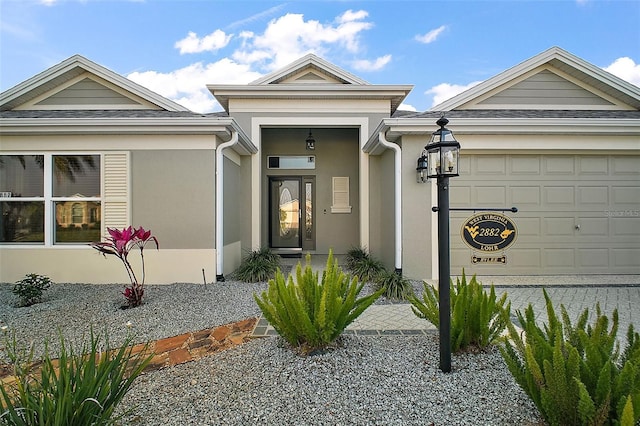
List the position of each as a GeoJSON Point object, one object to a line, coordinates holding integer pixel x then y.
{"type": "Point", "coordinates": [557, 58]}
{"type": "Point", "coordinates": [70, 68]}
{"type": "Point", "coordinates": [312, 61]}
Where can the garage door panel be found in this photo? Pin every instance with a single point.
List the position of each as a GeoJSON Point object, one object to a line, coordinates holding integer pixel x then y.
{"type": "Point", "coordinates": [627, 165]}
{"type": "Point", "coordinates": [528, 226]}
{"type": "Point", "coordinates": [525, 195]}
{"type": "Point", "coordinates": [625, 226]}
{"type": "Point", "coordinates": [559, 195]}
{"type": "Point", "coordinates": [626, 197]}
{"type": "Point", "coordinates": [558, 226]}
{"type": "Point", "coordinates": [593, 195]}
{"type": "Point", "coordinates": [491, 165]}
{"type": "Point", "coordinates": [593, 226]}
{"type": "Point", "coordinates": [629, 258]}
{"type": "Point", "coordinates": [460, 196]}
{"type": "Point", "coordinates": [592, 165]}
{"type": "Point", "coordinates": [559, 165]}
{"type": "Point", "coordinates": [557, 257]}
{"type": "Point", "coordinates": [526, 165]}
{"type": "Point", "coordinates": [490, 195]}
{"type": "Point", "coordinates": [593, 258]}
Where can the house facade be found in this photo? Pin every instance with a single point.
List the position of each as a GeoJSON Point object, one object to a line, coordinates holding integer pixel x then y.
{"type": "Point", "coordinates": [312, 158]}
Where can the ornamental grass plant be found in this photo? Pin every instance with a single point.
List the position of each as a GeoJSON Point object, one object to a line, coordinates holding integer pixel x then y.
{"type": "Point", "coordinates": [576, 374]}
{"type": "Point", "coordinates": [362, 265]}
{"type": "Point", "coordinates": [78, 388]}
{"type": "Point", "coordinates": [258, 265]}
{"type": "Point", "coordinates": [311, 313]}
{"type": "Point", "coordinates": [477, 318]}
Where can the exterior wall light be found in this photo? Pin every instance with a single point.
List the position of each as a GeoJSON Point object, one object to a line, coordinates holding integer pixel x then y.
{"type": "Point", "coordinates": [311, 142]}
{"type": "Point", "coordinates": [421, 169]}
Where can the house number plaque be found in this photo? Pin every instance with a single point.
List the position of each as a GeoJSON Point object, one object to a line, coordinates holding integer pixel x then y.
{"type": "Point", "coordinates": [489, 233]}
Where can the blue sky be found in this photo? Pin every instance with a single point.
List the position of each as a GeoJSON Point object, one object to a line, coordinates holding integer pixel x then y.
{"type": "Point", "coordinates": [177, 47]}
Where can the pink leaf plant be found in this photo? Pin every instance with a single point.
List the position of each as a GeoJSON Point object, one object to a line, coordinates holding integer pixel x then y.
{"type": "Point", "coordinates": [120, 243]}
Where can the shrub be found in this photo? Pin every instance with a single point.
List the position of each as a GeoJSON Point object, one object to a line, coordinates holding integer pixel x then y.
{"type": "Point", "coordinates": [30, 289]}
{"type": "Point", "coordinates": [258, 265]}
{"type": "Point", "coordinates": [120, 243]}
{"type": "Point", "coordinates": [575, 374]}
{"type": "Point", "coordinates": [362, 265]}
{"type": "Point", "coordinates": [396, 287]}
{"type": "Point", "coordinates": [477, 318]}
{"type": "Point", "coordinates": [74, 389]}
{"type": "Point", "coordinates": [311, 314]}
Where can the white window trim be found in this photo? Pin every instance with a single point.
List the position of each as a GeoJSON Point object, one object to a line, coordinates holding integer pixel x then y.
{"type": "Point", "coordinates": [49, 200]}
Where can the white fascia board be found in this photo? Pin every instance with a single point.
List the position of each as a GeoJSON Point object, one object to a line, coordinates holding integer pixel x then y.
{"type": "Point", "coordinates": [301, 90]}
{"type": "Point", "coordinates": [580, 126]}
{"type": "Point", "coordinates": [131, 126]}
{"type": "Point", "coordinates": [396, 128]}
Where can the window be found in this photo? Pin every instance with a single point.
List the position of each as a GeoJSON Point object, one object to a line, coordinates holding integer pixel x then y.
{"type": "Point", "coordinates": [50, 199]}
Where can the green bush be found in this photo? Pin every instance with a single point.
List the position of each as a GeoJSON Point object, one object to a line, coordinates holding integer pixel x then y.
{"type": "Point", "coordinates": [362, 265]}
{"type": "Point", "coordinates": [258, 265]}
{"type": "Point", "coordinates": [311, 314]}
{"type": "Point", "coordinates": [74, 389]}
{"type": "Point", "coordinates": [395, 286]}
{"type": "Point", "coordinates": [575, 374]}
{"type": "Point", "coordinates": [30, 289]}
{"type": "Point", "coordinates": [477, 318]}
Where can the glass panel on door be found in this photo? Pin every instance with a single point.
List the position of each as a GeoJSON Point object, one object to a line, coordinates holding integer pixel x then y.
{"type": "Point", "coordinates": [285, 213]}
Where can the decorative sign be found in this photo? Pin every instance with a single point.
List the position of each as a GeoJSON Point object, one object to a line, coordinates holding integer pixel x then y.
{"type": "Point", "coordinates": [499, 259]}
{"type": "Point", "coordinates": [488, 233]}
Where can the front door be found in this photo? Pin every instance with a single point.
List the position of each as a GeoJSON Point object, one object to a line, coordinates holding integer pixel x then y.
{"type": "Point", "coordinates": [291, 224]}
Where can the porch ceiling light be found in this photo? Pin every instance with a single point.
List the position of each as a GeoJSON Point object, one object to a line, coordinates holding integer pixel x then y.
{"type": "Point", "coordinates": [311, 142]}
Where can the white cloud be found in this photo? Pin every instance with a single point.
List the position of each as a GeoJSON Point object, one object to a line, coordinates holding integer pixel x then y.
{"type": "Point", "coordinates": [431, 36]}
{"type": "Point", "coordinates": [626, 69]}
{"type": "Point", "coordinates": [367, 65]}
{"type": "Point", "coordinates": [283, 40]}
{"type": "Point", "coordinates": [289, 37]}
{"type": "Point", "coordinates": [187, 85]}
{"type": "Point", "coordinates": [407, 107]}
{"type": "Point", "coordinates": [445, 91]}
{"type": "Point", "coordinates": [209, 43]}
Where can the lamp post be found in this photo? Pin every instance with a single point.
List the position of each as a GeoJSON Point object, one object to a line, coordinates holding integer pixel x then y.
{"type": "Point", "coordinates": [440, 160]}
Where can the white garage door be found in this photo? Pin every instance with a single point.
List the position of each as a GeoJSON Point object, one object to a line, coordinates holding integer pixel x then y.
{"type": "Point", "coordinates": [577, 214]}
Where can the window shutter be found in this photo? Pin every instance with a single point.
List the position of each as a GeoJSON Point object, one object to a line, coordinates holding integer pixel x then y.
{"type": "Point", "coordinates": [341, 200]}
{"type": "Point", "coordinates": [116, 211]}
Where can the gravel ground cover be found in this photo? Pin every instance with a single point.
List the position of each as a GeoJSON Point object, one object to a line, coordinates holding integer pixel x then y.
{"type": "Point", "coordinates": [362, 381]}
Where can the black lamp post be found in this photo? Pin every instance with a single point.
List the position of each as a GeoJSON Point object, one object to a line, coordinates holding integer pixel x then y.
{"type": "Point", "coordinates": [440, 160]}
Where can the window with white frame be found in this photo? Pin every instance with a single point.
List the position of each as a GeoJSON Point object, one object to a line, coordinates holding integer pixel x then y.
{"type": "Point", "coordinates": [50, 199]}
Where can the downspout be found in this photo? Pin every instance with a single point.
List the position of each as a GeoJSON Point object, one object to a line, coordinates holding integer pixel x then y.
{"type": "Point", "coordinates": [220, 203]}
{"type": "Point", "coordinates": [398, 198]}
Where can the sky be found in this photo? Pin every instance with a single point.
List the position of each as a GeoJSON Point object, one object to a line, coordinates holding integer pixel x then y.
{"type": "Point", "coordinates": [177, 47]}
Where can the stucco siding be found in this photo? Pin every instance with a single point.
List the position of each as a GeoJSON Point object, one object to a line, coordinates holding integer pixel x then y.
{"type": "Point", "coordinates": [418, 255]}
{"type": "Point", "coordinates": [173, 195]}
{"type": "Point", "coordinates": [232, 202]}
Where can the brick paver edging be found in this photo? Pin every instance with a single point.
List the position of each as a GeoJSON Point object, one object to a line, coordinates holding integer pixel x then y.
{"type": "Point", "coordinates": [179, 349]}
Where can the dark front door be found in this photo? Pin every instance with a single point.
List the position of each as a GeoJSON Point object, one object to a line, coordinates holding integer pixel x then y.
{"type": "Point", "coordinates": [291, 213]}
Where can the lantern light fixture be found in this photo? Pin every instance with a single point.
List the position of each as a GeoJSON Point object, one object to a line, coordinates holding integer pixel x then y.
{"type": "Point", "coordinates": [311, 142]}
